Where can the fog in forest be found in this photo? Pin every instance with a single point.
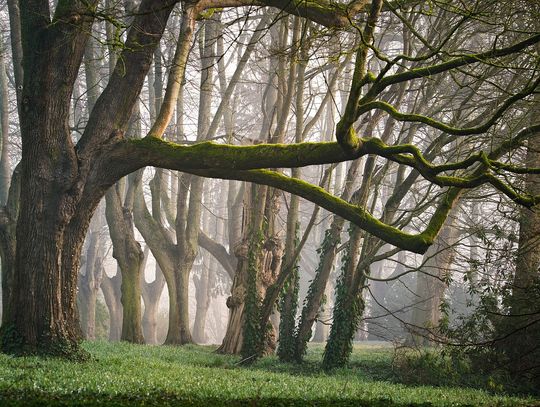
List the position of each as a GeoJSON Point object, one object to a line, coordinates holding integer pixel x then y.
{"type": "Point", "coordinates": [259, 176]}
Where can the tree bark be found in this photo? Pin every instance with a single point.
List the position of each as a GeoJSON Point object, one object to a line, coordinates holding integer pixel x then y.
{"type": "Point", "coordinates": [431, 285]}
{"type": "Point", "coordinates": [110, 286]}
{"type": "Point", "coordinates": [130, 257]}
{"type": "Point", "coordinates": [522, 326]}
{"type": "Point", "coordinates": [151, 293]}
{"type": "Point", "coordinates": [202, 288]}
{"type": "Point", "coordinates": [328, 250]}
{"type": "Point", "coordinates": [90, 281]}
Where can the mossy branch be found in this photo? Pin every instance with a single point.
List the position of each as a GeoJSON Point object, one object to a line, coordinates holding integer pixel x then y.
{"type": "Point", "coordinates": [243, 162]}
{"type": "Point", "coordinates": [359, 216]}
{"type": "Point", "coordinates": [151, 151]}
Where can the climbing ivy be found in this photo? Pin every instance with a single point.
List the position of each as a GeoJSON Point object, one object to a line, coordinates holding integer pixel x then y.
{"type": "Point", "coordinates": [348, 311]}
{"type": "Point", "coordinates": [288, 306]}
{"type": "Point", "coordinates": [251, 347]}
{"type": "Point", "coordinates": [329, 243]}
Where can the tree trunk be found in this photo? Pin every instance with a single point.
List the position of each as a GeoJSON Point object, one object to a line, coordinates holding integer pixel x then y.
{"type": "Point", "coordinates": [151, 293]}
{"type": "Point", "coordinates": [64, 185]}
{"type": "Point", "coordinates": [349, 303]}
{"type": "Point", "coordinates": [7, 251]}
{"type": "Point", "coordinates": [522, 326]}
{"type": "Point", "coordinates": [9, 197]}
{"type": "Point", "coordinates": [90, 281]}
{"type": "Point", "coordinates": [110, 286]}
{"type": "Point", "coordinates": [431, 285]}
{"type": "Point", "coordinates": [323, 320]}
{"type": "Point", "coordinates": [202, 285]}
{"type": "Point", "coordinates": [232, 342]}
{"type": "Point", "coordinates": [45, 321]}
{"type": "Point", "coordinates": [179, 331]}
{"type": "Point", "coordinates": [131, 302]}
{"type": "Point", "coordinates": [328, 252]}
{"type": "Point", "coordinates": [129, 255]}
{"type": "Point", "coordinates": [248, 253]}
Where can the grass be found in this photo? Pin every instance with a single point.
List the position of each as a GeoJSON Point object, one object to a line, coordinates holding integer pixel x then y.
{"type": "Point", "coordinates": [122, 374]}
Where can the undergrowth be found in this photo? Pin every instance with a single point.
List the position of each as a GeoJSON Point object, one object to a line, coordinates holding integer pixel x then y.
{"type": "Point", "coordinates": [121, 374]}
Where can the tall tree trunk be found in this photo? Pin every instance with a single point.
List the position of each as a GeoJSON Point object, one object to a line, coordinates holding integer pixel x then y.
{"type": "Point", "coordinates": [90, 281]}
{"type": "Point", "coordinates": [328, 252]}
{"type": "Point", "coordinates": [522, 326]}
{"type": "Point", "coordinates": [64, 185]}
{"type": "Point", "coordinates": [322, 329]}
{"type": "Point", "coordinates": [8, 216]}
{"type": "Point", "coordinates": [151, 293]}
{"type": "Point", "coordinates": [16, 46]}
{"type": "Point", "coordinates": [8, 221]}
{"type": "Point", "coordinates": [289, 301]}
{"type": "Point", "coordinates": [259, 258]}
{"type": "Point", "coordinates": [45, 321]}
{"type": "Point", "coordinates": [5, 167]}
{"type": "Point", "coordinates": [110, 286]}
{"type": "Point", "coordinates": [202, 288]}
{"type": "Point", "coordinates": [233, 339]}
{"type": "Point", "coordinates": [130, 257]}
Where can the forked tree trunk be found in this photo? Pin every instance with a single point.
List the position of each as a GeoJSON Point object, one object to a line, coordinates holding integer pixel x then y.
{"type": "Point", "coordinates": [151, 295]}
{"type": "Point", "coordinates": [64, 185]}
{"type": "Point", "coordinates": [130, 257]}
{"type": "Point", "coordinates": [174, 264]}
{"type": "Point", "coordinates": [51, 226]}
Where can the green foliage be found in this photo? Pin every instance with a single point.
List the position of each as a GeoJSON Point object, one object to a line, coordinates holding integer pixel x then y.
{"type": "Point", "coordinates": [287, 323]}
{"type": "Point", "coordinates": [122, 374]}
{"type": "Point", "coordinates": [329, 242]}
{"type": "Point", "coordinates": [500, 338]}
{"type": "Point", "coordinates": [253, 333]}
{"type": "Point", "coordinates": [432, 367]}
{"type": "Point", "coordinates": [482, 368]}
{"type": "Point", "coordinates": [10, 340]}
{"type": "Point", "coordinates": [348, 311]}
{"type": "Point", "coordinates": [288, 306]}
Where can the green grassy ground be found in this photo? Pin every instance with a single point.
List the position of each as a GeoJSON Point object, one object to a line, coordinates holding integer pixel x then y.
{"type": "Point", "coordinates": [123, 374]}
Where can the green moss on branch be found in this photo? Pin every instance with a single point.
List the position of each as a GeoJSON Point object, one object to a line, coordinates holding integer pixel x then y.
{"type": "Point", "coordinates": [359, 216]}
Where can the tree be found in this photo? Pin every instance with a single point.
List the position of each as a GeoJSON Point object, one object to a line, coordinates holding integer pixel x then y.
{"type": "Point", "coordinates": [64, 181]}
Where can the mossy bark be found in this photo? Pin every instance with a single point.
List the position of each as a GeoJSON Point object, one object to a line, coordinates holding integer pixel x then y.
{"type": "Point", "coordinates": [328, 252]}
{"type": "Point", "coordinates": [130, 258]}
